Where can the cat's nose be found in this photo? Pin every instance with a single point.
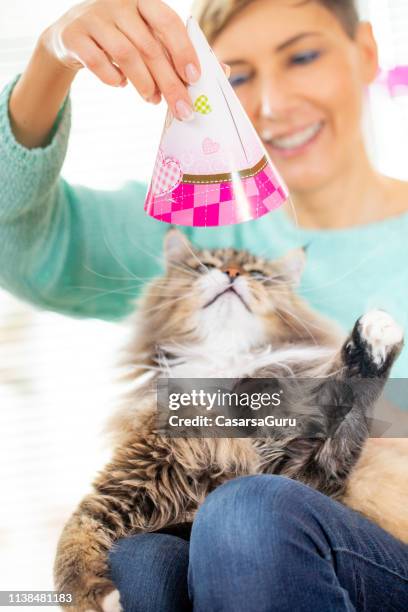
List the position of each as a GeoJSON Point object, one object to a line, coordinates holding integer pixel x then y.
{"type": "Point", "coordinates": [232, 271]}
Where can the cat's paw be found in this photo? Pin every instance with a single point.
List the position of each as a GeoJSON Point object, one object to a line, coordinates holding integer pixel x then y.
{"type": "Point", "coordinates": [111, 602]}
{"type": "Point", "coordinates": [374, 344]}
{"type": "Point", "coordinates": [381, 334]}
{"type": "Point", "coordinates": [100, 595]}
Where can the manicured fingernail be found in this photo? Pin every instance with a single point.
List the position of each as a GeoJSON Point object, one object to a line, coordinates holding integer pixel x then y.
{"type": "Point", "coordinates": [184, 111]}
{"type": "Point", "coordinates": [227, 69]}
{"type": "Point", "coordinates": [192, 74]}
{"type": "Point", "coordinates": [156, 99]}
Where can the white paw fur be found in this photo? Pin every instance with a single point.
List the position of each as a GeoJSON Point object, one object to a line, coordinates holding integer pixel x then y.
{"type": "Point", "coordinates": [111, 603]}
{"type": "Point", "coordinates": [381, 333]}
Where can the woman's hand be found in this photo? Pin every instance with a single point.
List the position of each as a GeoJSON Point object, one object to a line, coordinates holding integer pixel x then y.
{"type": "Point", "coordinates": [143, 41]}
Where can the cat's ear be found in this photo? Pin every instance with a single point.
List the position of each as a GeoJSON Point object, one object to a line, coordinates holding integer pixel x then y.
{"type": "Point", "coordinates": [293, 264]}
{"type": "Point", "coordinates": [176, 246]}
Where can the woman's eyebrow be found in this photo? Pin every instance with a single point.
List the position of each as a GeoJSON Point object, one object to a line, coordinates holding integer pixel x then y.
{"type": "Point", "coordinates": [280, 47]}
{"type": "Point", "coordinates": [295, 39]}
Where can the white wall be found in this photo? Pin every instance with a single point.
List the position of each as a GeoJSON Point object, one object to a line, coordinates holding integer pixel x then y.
{"type": "Point", "coordinates": [389, 116]}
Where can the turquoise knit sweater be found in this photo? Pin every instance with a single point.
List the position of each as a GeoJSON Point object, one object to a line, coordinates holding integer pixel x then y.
{"type": "Point", "coordinates": [88, 253]}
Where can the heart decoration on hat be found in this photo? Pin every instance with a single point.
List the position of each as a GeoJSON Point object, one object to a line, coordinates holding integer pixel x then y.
{"type": "Point", "coordinates": [210, 146]}
{"type": "Point", "coordinates": [202, 105]}
{"type": "Point", "coordinates": [167, 175]}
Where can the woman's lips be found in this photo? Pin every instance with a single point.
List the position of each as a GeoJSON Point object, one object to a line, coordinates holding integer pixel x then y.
{"type": "Point", "coordinates": [296, 142]}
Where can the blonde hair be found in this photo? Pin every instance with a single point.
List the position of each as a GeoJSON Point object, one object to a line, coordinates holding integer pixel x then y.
{"type": "Point", "coordinates": [214, 15]}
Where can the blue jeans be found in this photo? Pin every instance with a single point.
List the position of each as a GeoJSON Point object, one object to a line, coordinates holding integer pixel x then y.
{"type": "Point", "coordinates": [260, 544]}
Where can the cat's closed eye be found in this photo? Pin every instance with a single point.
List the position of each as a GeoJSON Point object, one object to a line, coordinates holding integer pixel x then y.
{"type": "Point", "coordinates": [258, 274]}
{"type": "Point", "coordinates": [205, 267]}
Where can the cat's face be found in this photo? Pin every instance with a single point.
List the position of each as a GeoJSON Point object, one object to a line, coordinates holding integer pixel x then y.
{"type": "Point", "coordinates": [222, 294]}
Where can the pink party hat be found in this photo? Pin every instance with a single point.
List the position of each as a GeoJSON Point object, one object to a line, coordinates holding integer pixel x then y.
{"type": "Point", "coordinates": [213, 170]}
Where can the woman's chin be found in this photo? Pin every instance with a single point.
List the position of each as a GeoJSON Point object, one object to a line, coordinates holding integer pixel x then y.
{"type": "Point", "coordinates": [307, 176]}
{"type": "Point", "coordinates": [306, 182]}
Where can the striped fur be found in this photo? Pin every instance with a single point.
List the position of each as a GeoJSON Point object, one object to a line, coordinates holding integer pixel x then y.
{"type": "Point", "coordinates": [265, 330]}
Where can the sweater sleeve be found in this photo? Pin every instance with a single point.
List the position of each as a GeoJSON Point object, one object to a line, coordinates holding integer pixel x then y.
{"type": "Point", "coordinates": [67, 248]}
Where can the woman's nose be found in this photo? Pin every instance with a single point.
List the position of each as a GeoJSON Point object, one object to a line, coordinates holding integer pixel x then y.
{"type": "Point", "coordinates": [276, 102]}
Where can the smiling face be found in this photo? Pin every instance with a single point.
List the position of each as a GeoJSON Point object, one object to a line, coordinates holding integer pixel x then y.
{"type": "Point", "coordinates": [301, 79]}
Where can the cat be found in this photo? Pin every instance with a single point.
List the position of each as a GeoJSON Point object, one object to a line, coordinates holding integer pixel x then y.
{"type": "Point", "coordinates": [220, 314]}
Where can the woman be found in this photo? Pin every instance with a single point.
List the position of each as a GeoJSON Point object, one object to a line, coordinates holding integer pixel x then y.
{"type": "Point", "coordinates": [300, 69]}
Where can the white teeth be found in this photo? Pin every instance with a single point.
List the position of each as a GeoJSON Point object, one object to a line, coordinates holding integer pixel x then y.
{"type": "Point", "coordinates": [298, 139]}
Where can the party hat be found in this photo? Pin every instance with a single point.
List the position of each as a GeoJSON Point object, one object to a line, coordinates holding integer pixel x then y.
{"type": "Point", "coordinates": [213, 170]}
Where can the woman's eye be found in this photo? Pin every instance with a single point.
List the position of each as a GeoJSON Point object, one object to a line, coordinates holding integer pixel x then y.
{"type": "Point", "coordinates": [301, 59]}
{"type": "Point", "coordinates": [257, 274]}
{"type": "Point", "coordinates": [239, 79]}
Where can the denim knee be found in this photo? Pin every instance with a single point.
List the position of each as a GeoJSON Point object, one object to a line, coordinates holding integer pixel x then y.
{"type": "Point", "coordinates": [242, 497]}
{"type": "Point", "coordinates": [243, 512]}
{"type": "Point", "coordinates": [150, 572]}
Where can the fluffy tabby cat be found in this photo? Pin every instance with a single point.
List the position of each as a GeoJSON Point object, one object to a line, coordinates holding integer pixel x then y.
{"type": "Point", "coordinates": [221, 313]}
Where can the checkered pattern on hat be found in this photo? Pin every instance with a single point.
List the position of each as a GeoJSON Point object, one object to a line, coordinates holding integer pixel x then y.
{"type": "Point", "coordinates": [210, 205]}
{"type": "Point", "coordinates": [167, 175]}
{"type": "Point", "coordinates": [202, 105]}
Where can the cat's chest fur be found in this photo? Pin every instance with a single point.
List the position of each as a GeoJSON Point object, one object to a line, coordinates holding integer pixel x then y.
{"type": "Point", "coordinates": [237, 347]}
{"type": "Point", "coordinates": [199, 362]}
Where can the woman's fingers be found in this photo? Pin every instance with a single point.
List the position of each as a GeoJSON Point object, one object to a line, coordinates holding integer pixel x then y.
{"type": "Point", "coordinates": [124, 53]}
{"type": "Point", "coordinates": [90, 55]}
{"type": "Point", "coordinates": [169, 28]}
{"type": "Point", "coordinates": [172, 88]}
{"type": "Point", "coordinates": [143, 41]}
{"type": "Point", "coordinates": [156, 58]}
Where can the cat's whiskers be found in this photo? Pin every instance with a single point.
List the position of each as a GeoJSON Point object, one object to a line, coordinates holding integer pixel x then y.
{"type": "Point", "coordinates": [119, 278]}
{"type": "Point", "coordinates": [173, 285]}
{"type": "Point", "coordinates": [183, 268]}
{"type": "Point", "coordinates": [120, 263]}
{"type": "Point", "coordinates": [200, 262]}
{"type": "Point", "coordinates": [168, 303]}
{"type": "Point", "coordinates": [273, 280]}
{"type": "Point", "coordinates": [161, 260]}
{"type": "Point", "coordinates": [196, 256]}
{"type": "Point", "coordinates": [286, 321]}
{"type": "Point", "coordinates": [175, 282]}
{"type": "Point", "coordinates": [123, 291]}
{"type": "Point", "coordinates": [313, 324]}
{"type": "Point", "coordinates": [130, 291]}
{"type": "Point", "coordinates": [300, 321]}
